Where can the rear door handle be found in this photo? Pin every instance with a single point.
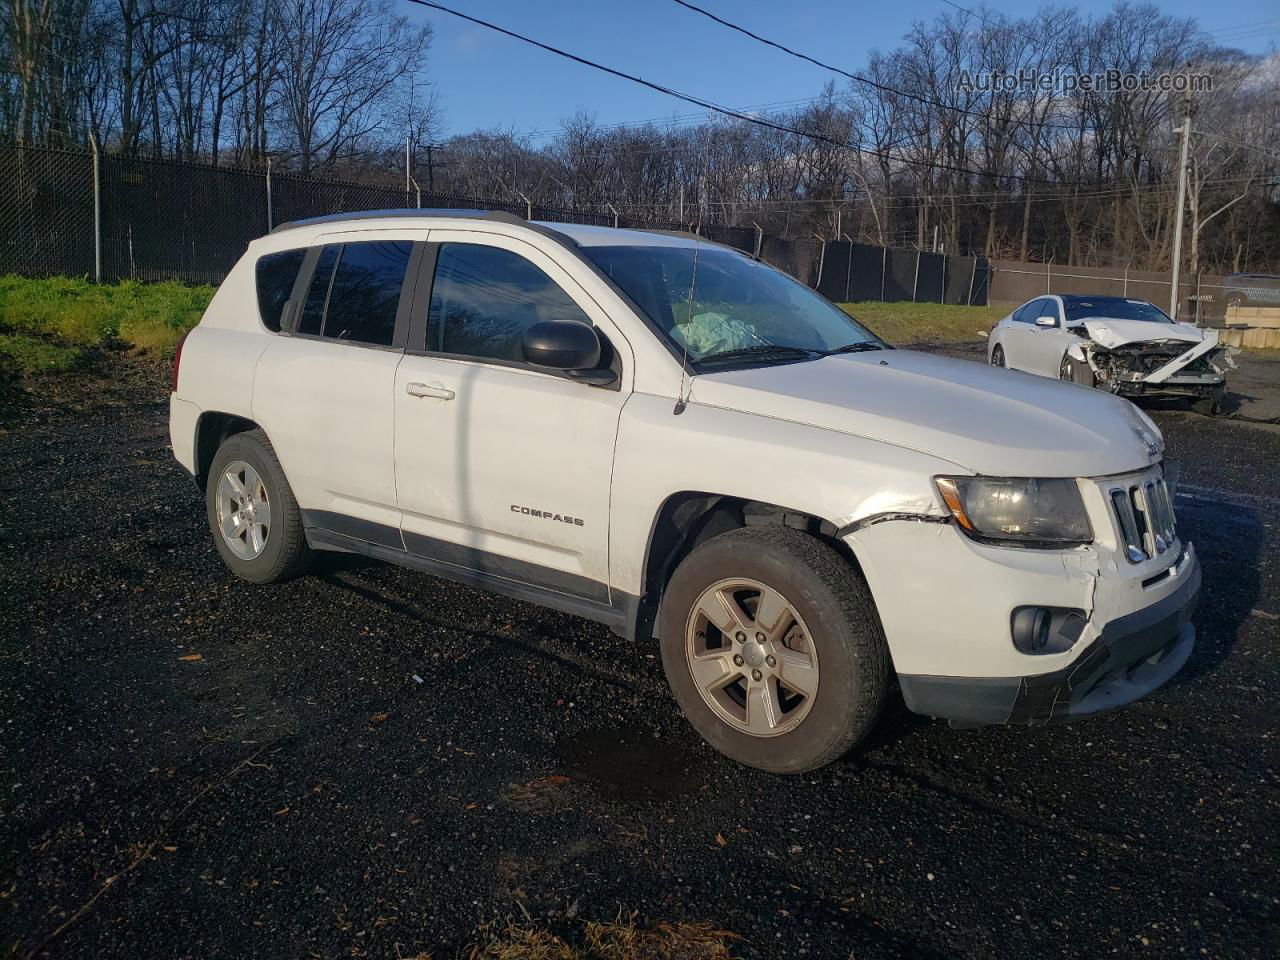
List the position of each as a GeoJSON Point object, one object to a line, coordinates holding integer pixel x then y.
{"type": "Point", "coordinates": [428, 390]}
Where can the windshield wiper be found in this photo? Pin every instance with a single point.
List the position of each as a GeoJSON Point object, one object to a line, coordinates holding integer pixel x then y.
{"type": "Point", "coordinates": [858, 347]}
{"type": "Point", "coordinates": [761, 351]}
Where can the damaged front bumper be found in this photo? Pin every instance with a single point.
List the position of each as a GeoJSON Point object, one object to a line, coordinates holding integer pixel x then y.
{"type": "Point", "coordinates": [1158, 368]}
{"type": "Point", "coordinates": [954, 613]}
{"type": "Point", "coordinates": [1132, 656]}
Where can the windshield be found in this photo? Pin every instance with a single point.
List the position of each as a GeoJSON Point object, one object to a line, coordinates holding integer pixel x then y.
{"type": "Point", "coordinates": [735, 309]}
{"type": "Point", "coordinates": [1114, 308]}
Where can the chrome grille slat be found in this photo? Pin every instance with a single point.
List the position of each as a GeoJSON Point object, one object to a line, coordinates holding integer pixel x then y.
{"type": "Point", "coordinates": [1144, 517]}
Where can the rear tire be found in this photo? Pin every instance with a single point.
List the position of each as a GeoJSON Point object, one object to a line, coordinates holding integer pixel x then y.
{"type": "Point", "coordinates": [253, 516]}
{"type": "Point", "coordinates": [826, 639]}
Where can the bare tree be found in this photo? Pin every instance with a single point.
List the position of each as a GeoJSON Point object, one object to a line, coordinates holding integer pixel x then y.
{"type": "Point", "coordinates": [340, 58]}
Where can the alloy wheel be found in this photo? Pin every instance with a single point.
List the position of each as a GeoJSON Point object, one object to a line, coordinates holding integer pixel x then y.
{"type": "Point", "coordinates": [751, 657]}
{"type": "Point", "coordinates": [243, 510]}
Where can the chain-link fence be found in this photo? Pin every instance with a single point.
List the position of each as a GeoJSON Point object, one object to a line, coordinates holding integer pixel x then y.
{"type": "Point", "coordinates": [858, 271]}
{"type": "Point", "coordinates": [46, 212]}
{"type": "Point", "coordinates": [165, 220]}
{"type": "Point", "coordinates": [1202, 298]}
{"type": "Point", "coordinates": [116, 217]}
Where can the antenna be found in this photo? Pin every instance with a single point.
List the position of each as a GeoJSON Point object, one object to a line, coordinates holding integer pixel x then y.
{"type": "Point", "coordinates": [682, 400]}
{"type": "Point", "coordinates": [686, 381]}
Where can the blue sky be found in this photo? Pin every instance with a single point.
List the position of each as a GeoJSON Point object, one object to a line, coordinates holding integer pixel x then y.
{"type": "Point", "coordinates": [486, 80]}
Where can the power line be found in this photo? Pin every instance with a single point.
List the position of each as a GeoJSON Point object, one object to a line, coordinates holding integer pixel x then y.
{"type": "Point", "coordinates": [884, 88]}
{"type": "Point", "coordinates": [1236, 143]}
{"type": "Point", "coordinates": [718, 108]}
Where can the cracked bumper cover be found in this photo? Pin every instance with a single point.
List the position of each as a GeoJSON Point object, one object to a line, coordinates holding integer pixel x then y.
{"type": "Point", "coordinates": [1132, 656]}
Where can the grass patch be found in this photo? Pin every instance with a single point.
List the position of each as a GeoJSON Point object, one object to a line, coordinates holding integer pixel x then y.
{"type": "Point", "coordinates": [620, 940]}
{"type": "Point", "coordinates": [914, 322]}
{"type": "Point", "coordinates": [50, 325]}
{"type": "Point", "coordinates": [24, 355]}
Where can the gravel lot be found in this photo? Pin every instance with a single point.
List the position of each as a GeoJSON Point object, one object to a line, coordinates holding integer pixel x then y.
{"type": "Point", "coordinates": [371, 762]}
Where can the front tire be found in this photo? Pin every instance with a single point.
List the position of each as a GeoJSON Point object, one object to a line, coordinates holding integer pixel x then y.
{"type": "Point", "coordinates": [254, 518]}
{"type": "Point", "coordinates": [1073, 371]}
{"type": "Point", "coordinates": [997, 356]}
{"type": "Point", "coordinates": [773, 648]}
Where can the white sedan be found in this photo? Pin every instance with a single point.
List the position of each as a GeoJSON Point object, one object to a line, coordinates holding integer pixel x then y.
{"type": "Point", "coordinates": [1129, 347]}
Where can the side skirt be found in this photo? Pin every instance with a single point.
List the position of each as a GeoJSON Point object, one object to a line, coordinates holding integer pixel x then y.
{"type": "Point", "coordinates": [379, 542]}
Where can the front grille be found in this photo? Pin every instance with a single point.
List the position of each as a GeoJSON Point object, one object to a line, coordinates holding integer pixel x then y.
{"type": "Point", "coordinates": [1144, 515]}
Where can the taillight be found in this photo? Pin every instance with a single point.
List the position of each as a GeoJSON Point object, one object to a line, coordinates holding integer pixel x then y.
{"type": "Point", "coordinates": [177, 361]}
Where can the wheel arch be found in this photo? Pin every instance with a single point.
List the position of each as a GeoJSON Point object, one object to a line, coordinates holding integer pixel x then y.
{"type": "Point", "coordinates": [689, 518]}
{"type": "Point", "coordinates": [213, 429]}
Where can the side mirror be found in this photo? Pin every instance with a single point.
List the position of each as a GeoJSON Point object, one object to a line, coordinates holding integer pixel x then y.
{"type": "Point", "coordinates": [1046, 321]}
{"type": "Point", "coordinates": [569, 346]}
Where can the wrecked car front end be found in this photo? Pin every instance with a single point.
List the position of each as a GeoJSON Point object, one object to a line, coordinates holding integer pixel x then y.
{"type": "Point", "coordinates": [1184, 362]}
{"type": "Point", "coordinates": [1085, 630]}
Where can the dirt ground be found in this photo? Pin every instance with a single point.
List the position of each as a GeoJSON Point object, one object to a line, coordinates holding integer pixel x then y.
{"type": "Point", "coordinates": [371, 762]}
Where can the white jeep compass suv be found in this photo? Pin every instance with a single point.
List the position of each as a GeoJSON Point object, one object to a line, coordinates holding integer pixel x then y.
{"type": "Point", "coordinates": [668, 437]}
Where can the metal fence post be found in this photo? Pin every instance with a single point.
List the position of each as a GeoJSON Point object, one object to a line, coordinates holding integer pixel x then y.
{"type": "Point", "coordinates": [884, 266]}
{"type": "Point", "coordinates": [270, 223]}
{"type": "Point", "coordinates": [1048, 277]}
{"type": "Point", "coordinates": [614, 211]}
{"type": "Point", "coordinates": [848, 270]}
{"type": "Point", "coordinates": [1125, 289]}
{"type": "Point", "coordinates": [759, 239]}
{"type": "Point", "coordinates": [973, 275]}
{"type": "Point", "coordinates": [822, 260]}
{"type": "Point", "coordinates": [915, 284]}
{"type": "Point", "coordinates": [528, 205]}
{"type": "Point", "coordinates": [97, 211]}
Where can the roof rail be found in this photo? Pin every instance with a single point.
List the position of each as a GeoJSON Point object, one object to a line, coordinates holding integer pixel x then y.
{"type": "Point", "coordinates": [687, 235]}
{"type": "Point", "coordinates": [501, 216]}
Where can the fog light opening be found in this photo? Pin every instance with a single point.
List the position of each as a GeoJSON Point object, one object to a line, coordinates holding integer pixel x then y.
{"type": "Point", "coordinates": [1039, 630]}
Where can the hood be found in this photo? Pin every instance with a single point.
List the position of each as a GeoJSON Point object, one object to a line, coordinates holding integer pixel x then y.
{"type": "Point", "coordinates": [988, 420]}
{"type": "Point", "coordinates": [1116, 333]}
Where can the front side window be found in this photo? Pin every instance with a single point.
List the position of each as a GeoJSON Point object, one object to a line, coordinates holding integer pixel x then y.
{"type": "Point", "coordinates": [1028, 312]}
{"type": "Point", "coordinates": [717, 306]}
{"type": "Point", "coordinates": [275, 274]}
{"type": "Point", "coordinates": [365, 295]}
{"type": "Point", "coordinates": [485, 298]}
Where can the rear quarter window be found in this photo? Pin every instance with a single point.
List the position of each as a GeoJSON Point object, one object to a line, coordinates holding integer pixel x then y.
{"type": "Point", "coordinates": [275, 274]}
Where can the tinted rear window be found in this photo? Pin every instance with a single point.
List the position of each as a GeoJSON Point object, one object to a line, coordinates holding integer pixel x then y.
{"type": "Point", "coordinates": [365, 295]}
{"type": "Point", "coordinates": [275, 275]}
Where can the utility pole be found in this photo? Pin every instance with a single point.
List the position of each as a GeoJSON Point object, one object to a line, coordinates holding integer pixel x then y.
{"type": "Point", "coordinates": [1185, 130]}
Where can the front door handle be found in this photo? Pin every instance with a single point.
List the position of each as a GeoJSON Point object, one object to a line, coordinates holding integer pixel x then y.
{"type": "Point", "coordinates": [428, 390]}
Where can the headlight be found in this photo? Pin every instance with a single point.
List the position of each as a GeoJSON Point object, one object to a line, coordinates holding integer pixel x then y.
{"type": "Point", "coordinates": [1017, 511]}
